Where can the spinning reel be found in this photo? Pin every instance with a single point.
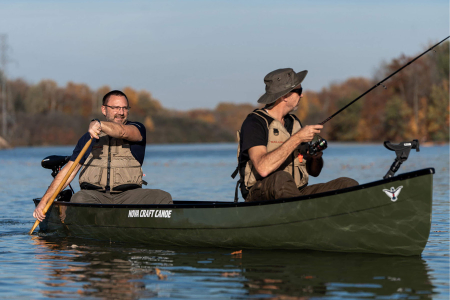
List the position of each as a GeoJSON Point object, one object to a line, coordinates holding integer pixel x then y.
{"type": "Point", "coordinates": [318, 144]}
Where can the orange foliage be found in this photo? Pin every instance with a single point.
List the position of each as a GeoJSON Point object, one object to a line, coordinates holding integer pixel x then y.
{"type": "Point", "coordinates": [148, 123]}
{"type": "Point", "coordinates": [132, 96]}
{"type": "Point", "coordinates": [414, 105]}
{"type": "Point", "coordinates": [231, 116]}
{"type": "Point", "coordinates": [101, 91]}
{"type": "Point", "coordinates": [78, 99]}
{"type": "Point", "coordinates": [202, 115]}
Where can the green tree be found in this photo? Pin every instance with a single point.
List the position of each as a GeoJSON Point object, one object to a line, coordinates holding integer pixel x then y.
{"type": "Point", "coordinates": [345, 125]}
{"type": "Point", "coordinates": [441, 59]}
{"type": "Point", "coordinates": [42, 97]}
{"type": "Point", "coordinates": [397, 114]}
{"type": "Point", "coordinates": [18, 89]}
{"type": "Point", "coordinates": [438, 112]}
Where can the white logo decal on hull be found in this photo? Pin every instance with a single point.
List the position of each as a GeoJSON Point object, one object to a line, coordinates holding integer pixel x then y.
{"type": "Point", "coordinates": [393, 193]}
{"type": "Point", "coordinates": [149, 213]}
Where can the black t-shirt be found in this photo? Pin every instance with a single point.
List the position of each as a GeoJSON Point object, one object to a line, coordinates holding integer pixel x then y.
{"type": "Point", "coordinates": [137, 148]}
{"type": "Point", "coordinates": [254, 132]}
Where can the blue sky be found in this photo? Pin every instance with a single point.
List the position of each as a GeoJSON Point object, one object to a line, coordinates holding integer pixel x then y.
{"type": "Point", "coordinates": [195, 54]}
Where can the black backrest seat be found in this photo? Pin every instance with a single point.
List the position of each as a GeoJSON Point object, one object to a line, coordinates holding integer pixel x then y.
{"type": "Point", "coordinates": [54, 161]}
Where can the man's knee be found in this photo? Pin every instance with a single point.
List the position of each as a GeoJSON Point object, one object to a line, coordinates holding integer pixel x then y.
{"type": "Point", "coordinates": [154, 196]}
{"type": "Point", "coordinates": [77, 198]}
{"type": "Point", "coordinates": [281, 177]}
{"type": "Point", "coordinates": [83, 197]}
{"type": "Point", "coordinates": [164, 197]}
{"type": "Point", "coordinates": [345, 182]}
{"type": "Point", "coordinates": [276, 186]}
{"type": "Point", "coordinates": [281, 180]}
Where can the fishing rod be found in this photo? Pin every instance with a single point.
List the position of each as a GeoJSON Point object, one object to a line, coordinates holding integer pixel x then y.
{"type": "Point", "coordinates": [332, 116]}
{"type": "Point", "coordinates": [318, 143]}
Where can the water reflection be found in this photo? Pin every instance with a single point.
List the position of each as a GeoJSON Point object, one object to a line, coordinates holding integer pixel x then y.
{"type": "Point", "coordinates": [90, 271]}
{"type": "Point", "coordinates": [94, 269]}
{"type": "Point", "coordinates": [340, 275]}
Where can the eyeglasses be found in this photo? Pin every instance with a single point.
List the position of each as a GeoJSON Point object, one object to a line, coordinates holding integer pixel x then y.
{"type": "Point", "coordinates": [298, 91]}
{"type": "Point", "coordinates": [117, 108]}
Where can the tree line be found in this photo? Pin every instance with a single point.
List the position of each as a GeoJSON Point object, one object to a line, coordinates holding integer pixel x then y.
{"type": "Point", "coordinates": [414, 105]}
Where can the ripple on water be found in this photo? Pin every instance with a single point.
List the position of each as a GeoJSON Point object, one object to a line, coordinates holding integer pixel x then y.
{"type": "Point", "coordinates": [41, 266]}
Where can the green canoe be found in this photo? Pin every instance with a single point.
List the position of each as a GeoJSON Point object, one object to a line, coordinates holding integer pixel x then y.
{"type": "Point", "coordinates": [390, 216]}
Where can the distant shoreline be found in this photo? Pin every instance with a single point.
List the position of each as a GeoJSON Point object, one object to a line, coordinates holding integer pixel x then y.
{"type": "Point", "coordinates": [4, 144]}
{"type": "Point", "coordinates": [379, 143]}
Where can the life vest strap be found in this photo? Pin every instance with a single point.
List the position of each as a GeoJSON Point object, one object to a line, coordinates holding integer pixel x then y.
{"type": "Point", "coordinates": [235, 172]}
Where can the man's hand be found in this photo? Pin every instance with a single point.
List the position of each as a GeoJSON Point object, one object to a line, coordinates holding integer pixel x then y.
{"type": "Point", "coordinates": [38, 212]}
{"type": "Point", "coordinates": [306, 134]}
{"type": "Point", "coordinates": [314, 164]}
{"type": "Point", "coordinates": [95, 128]}
{"type": "Point", "coordinates": [314, 156]}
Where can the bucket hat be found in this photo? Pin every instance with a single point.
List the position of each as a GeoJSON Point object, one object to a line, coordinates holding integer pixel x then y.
{"type": "Point", "coordinates": [279, 83]}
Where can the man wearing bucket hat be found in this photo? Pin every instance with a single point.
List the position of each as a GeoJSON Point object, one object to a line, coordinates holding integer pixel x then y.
{"type": "Point", "coordinates": [270, 163]}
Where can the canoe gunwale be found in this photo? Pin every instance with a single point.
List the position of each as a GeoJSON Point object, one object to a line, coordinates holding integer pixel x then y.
{"type": "Point", "coordinates": [183, 204]}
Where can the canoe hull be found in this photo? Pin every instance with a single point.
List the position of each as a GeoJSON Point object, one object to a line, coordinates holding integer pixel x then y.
{"type": "Point", "coordinates": [360, 219]}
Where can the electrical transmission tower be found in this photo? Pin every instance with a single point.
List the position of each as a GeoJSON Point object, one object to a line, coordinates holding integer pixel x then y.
{"type": "Point", "coordinates": [3, 62]}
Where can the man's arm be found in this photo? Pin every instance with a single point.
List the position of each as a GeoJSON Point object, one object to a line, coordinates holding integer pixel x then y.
{"type": "Point", "coordinates": [267, 162]}
{"type": "Point", "coordinates": [38, 212]}
{"type": "Point", "coordinates": [115, 130]}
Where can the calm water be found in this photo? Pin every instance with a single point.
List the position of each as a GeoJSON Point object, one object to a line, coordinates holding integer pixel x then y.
{"type": "Point", "coordinates": [37, 267]}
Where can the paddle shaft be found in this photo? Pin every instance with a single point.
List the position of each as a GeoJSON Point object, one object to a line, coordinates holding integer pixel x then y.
{"type": "Point", "coordinates": [332, 116]}
{"type": "Point", "coordinates": [61, 185]}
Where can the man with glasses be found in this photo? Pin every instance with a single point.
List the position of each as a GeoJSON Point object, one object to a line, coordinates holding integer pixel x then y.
{"type": "Point", "coordinates": [111, 167]}
{"type": "Point", "coordinates": [271, 161]}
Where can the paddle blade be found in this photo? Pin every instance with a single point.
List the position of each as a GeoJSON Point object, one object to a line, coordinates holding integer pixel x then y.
{"type": "Point", "coordinates": [36, 223]}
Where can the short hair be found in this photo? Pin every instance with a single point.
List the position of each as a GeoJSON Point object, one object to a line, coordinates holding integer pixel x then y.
{"type": "Point", "coordinates": [271, 105]}
{"type": "Point", "coordinates": [114, 93]}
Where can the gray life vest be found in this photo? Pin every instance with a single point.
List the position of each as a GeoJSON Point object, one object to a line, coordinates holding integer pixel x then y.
{"type": "Point", "coordinates": [278, 134]}
{"type": "Point", "coordinates": [111, 166]}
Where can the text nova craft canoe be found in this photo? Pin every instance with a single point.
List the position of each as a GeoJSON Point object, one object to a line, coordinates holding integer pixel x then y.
{"type": "Point", "coordinates": [390, 216]}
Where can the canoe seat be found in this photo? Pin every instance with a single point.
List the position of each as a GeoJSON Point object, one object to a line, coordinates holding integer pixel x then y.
{"type": "Point", "coordinates": [53, 162]}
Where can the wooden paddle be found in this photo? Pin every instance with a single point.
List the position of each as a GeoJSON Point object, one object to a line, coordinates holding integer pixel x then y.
{"type": "Point", "coordinates": [50, 202]}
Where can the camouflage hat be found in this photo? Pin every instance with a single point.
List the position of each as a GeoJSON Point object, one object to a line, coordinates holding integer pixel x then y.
{"type": "Point", "coordinates": [279, 83]}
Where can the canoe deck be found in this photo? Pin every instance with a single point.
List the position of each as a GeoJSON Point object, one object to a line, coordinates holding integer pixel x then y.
{"type": "Point", "coordinates": [357, 219]}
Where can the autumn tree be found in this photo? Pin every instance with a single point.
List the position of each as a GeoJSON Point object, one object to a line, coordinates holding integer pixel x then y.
{"type": "Point", "coordinates": [42, 97]}
{"type": "Point", "coordinates": [414, 104]}
{"type": "Point", "coordinates": [231, 116]}
{"type": "Point", "coordinates": [438, 113]}
{"type": "Point", "coordinates": [78, 99]}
